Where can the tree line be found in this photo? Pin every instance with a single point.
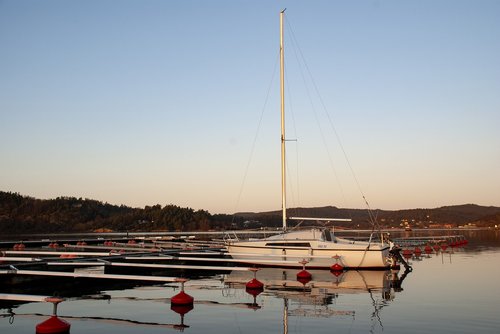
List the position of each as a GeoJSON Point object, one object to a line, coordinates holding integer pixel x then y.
{"type": "Point", "coordinates": [24, 214]}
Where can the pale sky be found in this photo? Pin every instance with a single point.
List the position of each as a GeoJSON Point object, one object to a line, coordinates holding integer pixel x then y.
{"type": "Point", "coordinates": [158, 102]}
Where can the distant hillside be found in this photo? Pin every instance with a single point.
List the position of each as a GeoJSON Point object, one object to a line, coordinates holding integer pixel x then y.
{"type": "Point", "coordinates": [448, 215]}
{"type": "Point", "coordinates": [454, 215]}
{"type": "Point", "coordinates": [24, 214]}
{"type": "Point", "coordinates": [488, 220]}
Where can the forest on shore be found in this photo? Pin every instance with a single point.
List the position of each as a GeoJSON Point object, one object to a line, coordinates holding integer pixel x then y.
{"type": "Point", "coordinates": [25, 214]}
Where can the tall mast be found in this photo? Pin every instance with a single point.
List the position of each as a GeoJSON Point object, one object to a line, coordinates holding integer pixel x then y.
{"type": "Point", "coordinates": [282, 91]}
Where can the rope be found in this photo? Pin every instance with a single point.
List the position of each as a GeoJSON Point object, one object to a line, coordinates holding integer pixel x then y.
{"type": "Point", "coordinates": [371, 216]}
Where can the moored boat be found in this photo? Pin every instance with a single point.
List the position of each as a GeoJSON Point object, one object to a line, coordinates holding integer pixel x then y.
{"type": "Point", "coordinates": [319, 247]}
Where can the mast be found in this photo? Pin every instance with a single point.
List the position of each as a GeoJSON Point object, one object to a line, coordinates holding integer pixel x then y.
{"type": "Point", "coordinates": [282, 91]}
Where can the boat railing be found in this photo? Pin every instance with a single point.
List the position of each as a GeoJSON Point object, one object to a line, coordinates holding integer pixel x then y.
{"type": "Point", "coordinates": [230, 236]}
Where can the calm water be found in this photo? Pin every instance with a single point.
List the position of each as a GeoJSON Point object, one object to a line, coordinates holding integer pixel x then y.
{"type": "Point", "coordinates": [450, 292]}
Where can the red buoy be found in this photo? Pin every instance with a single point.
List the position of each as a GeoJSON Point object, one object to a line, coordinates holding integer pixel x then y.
{"type": "Point", "coordinates": [181, 309]}
{"type": "Point", "coordinates": [428, 249]}
{"type": "Point", "coordinates": [336, 268]}
{"type": "Point", "coordinates": [53, 325]}
{"type": "Point", "coordinates": [182, 298]}
{"type": "Point", "coordinates": [303, 280]}
{"type": "Point", "coordinates": [254, 284]}
{"type": "Point", "coordinates": [254, 291]}
{"type": "Point", "coordinates": [304, 274]}
{"type": "Point", "coordinates": [417, 251]}
{"type": "Point", "coordinates": [407, 253]}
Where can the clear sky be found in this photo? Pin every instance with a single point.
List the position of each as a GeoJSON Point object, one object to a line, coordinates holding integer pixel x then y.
{"type": "Point", "coordinates": [146, 102]}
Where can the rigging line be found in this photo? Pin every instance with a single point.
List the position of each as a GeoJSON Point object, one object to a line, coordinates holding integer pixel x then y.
{"type": "Point", "coordinates": [374, 302]}
{"type": "Point", "coordinates": [332, 165]}
{"type": "Point", "coordinates": [336, 135]}
{"type": "Point", "coordinates": [252, 150]}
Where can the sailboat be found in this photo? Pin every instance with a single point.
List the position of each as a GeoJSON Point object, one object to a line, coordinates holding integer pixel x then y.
{"type": "Point", "coordinates": [319, 248]}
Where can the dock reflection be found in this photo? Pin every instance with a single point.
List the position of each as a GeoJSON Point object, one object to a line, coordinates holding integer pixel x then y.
{"type": "Point", "coordinates": [318, 296]}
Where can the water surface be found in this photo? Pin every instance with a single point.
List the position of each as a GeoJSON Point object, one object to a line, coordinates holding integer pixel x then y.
{"type": "Point", "coordinates": [454, 291]}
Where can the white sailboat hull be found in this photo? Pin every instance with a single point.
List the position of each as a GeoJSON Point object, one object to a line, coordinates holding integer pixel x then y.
{"type": "Point", "coordinates": [289, 249]}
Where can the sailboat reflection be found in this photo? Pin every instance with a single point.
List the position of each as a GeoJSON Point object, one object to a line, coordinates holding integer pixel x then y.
{"type": "Point", "coordinates": [314, 297]}
{"type": "Point", "coordinates": [323, 282]}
